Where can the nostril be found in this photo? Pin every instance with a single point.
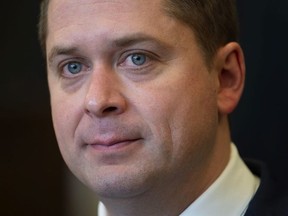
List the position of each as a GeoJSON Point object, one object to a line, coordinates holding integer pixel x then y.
{"type": "Point", "coordinates": [104, 107]}
{"type": "Point", "coordinates": [109, 109]}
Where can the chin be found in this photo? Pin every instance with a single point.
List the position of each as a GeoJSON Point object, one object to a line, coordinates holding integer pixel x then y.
{"type": "Point", "coordinates": [113, 185]}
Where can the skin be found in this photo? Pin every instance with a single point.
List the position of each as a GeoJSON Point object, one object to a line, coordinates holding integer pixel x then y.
{"type": "Point", "coordinates": [141, 136]}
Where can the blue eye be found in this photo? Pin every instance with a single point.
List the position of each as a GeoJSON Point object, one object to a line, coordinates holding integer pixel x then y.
{"type": "Point", "coordinates": [138, 59]}
{"type": "Point", "coordinates": [74, 67]}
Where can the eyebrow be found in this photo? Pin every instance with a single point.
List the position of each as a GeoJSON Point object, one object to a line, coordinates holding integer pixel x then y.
{"type": "Point", "coordinates": [58, 50]}
{"type": "Point", "coordinates": [125, 41]}
{"type": "Point", "coordinates": [132, 39]}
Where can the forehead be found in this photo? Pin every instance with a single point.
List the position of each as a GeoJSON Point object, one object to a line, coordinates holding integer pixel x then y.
{"type": "Point", "coordinates": [100, 21]}
{"type": "Point", "coordinates": [61, 11]}
{"type": "Point", "coordinates": [65, 15]}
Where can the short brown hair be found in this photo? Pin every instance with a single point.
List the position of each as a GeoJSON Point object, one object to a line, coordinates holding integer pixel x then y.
{"type": "Point", "coordinates": [214, 22]}
{"type": "Point", "coordinates": [43, 24]}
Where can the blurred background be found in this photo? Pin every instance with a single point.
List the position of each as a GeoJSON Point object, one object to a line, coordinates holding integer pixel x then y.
{"type": "Point", "coordinates": [33, 178]}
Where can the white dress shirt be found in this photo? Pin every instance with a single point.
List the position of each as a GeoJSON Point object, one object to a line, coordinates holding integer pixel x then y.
{"type": "Point", "coordinates": [229, 195]}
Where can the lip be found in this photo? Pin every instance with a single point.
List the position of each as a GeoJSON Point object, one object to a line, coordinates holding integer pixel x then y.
{"type": "Point", "coordinates": [113, 145]}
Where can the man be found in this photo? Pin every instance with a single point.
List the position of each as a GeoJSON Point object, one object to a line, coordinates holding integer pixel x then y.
{"type": "Point", "coordinates": [140, 94]}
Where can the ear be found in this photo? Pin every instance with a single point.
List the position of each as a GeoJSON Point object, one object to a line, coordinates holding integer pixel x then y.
{"type": "Point", "coordinates": [231, 75]}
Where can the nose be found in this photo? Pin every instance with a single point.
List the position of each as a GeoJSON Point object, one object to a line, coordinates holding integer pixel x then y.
{"type": "Point", "coordinates": [103, 96]}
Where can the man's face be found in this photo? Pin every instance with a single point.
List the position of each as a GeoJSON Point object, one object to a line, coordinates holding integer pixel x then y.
{"type": "Point", "coordinates": [133, 104]}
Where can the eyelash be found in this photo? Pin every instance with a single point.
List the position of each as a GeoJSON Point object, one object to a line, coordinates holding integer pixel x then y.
{"type": "Point", "coordinates": [63, 67]}
{"type": "Point", "coordinates": [149, 58]}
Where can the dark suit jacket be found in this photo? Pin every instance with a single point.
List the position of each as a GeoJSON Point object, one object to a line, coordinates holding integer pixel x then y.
{"type": "Point", "coordinates": [271, 199]}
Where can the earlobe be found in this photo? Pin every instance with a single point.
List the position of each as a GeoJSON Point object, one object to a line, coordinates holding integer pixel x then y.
{"type": "Point", "coordinates": [231, 76]}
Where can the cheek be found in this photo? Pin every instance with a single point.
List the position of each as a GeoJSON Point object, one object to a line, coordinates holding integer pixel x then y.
{"type": "Point", "coordinates": [181, 117]}
{"type": "Point", "coordinates": [66, 117]}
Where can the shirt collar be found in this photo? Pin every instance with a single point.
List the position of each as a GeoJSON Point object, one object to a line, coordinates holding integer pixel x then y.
{"type": "Point", "coordinates": [229, 195]}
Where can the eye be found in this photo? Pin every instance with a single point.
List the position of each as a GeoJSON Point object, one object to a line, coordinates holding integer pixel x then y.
{"type": "Point", "coordinates": [135, 60]}
{"type": "Point", "coordinates": [138, 59]}
{"type": "Point", "coordinates": [73, 67]}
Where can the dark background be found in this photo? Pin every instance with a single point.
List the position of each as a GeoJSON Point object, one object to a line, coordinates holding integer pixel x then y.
{"type": "Point", "coordinates": [32, 173]}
